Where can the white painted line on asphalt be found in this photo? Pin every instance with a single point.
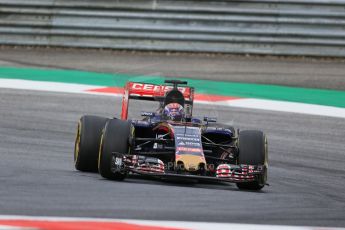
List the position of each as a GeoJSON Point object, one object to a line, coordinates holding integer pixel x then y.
{"type": "Point", "coordinates": [44, 86]}
{"type": "Point", "coordinates": [284, 106]}
{"type": "Point", "coordinates": [223, 226]}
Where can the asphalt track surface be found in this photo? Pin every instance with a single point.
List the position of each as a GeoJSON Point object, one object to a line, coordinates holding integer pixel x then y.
{"type": "Point", "coordinates": [37, 177]}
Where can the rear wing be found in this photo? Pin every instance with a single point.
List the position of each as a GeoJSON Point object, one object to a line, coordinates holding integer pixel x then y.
{"type": "Point", "coordinates": [154, 92]}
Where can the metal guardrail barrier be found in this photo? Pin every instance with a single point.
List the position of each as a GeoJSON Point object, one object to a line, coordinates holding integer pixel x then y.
{"type": "Point", "coordinates": [282, 27]}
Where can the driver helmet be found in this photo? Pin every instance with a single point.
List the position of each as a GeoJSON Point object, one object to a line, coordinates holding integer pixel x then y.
{"type": "Point", "coordinates": [174, 112]}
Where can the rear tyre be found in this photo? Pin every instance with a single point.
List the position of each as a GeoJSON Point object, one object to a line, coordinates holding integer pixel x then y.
{"type": "Point", "coordinates": [114, 139]}
{"type": "Point", "coordinates": [253, 151]}
{"type": "Point", "coordinates": [87, 143]}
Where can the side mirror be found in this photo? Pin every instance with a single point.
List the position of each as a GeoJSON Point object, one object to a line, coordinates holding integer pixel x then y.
{"type": "Point", "coordinates": [210, 119]}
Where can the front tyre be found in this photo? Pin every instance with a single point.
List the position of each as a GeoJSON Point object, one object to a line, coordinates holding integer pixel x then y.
{"type": "Point", "coordinates": [253, 151]}
{"type": "Point", "coordinates": [113, 140]}
{"type": "Point", "coordinates": [87, 143]}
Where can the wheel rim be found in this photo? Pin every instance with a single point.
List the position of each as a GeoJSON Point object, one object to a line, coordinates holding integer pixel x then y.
{"type": "Point", "coordinates": [100, 151]}
{"type": "Point", "coordinates": [77, 144]}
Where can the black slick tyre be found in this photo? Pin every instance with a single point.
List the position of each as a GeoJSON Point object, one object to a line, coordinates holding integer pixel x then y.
{"type": "Point", "coordinates": [253, 151]}
{"type": "Point", "coordinates": [86, 145]}
{"type": "Point", "coordinates": [114, 139]}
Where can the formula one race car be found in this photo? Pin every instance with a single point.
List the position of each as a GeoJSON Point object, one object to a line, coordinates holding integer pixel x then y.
{"type": "Point", "coordinates": [170, 143]}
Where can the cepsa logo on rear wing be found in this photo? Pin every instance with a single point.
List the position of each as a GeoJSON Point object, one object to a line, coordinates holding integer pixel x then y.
{"type": "Point", "coordinates": [136, 89]}
{"type": "Point", "coordinates": [145, 91]}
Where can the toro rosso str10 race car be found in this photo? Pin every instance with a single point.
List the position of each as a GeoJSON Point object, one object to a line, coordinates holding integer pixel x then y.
{"type": "Point", "coordinates": [170, 143]}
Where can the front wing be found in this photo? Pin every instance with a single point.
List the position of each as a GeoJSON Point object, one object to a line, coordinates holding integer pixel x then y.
{"type": "Point", "coordinates": [223, 173]}
{"type": "Point", "coordinates": [197, 178]}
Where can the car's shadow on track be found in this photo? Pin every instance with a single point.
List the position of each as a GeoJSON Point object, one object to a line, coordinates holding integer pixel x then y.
{"type": "Point", "coordinates": [147, 180]}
